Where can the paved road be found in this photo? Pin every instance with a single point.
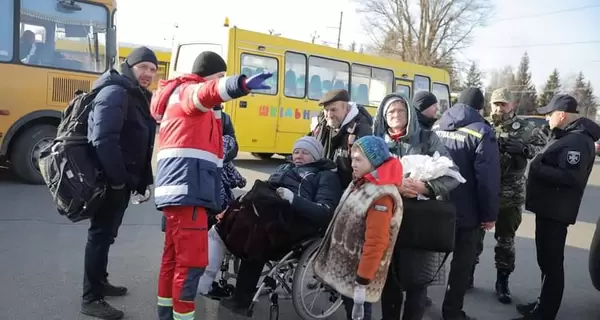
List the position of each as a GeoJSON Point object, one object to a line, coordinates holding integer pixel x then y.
{"type": "Point", "coordinates": [41, 259]}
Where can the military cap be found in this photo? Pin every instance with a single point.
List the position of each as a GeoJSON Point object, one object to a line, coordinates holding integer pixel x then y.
{"type": "Point", "coordinates": [333, 96]}
{"type": "Point", "coordinates": [502, 95]}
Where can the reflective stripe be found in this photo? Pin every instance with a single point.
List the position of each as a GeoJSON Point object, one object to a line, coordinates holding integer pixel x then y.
{"type": "Point", "coordinates": [471, 132]}
{"type": "Point", "coordinates": [164, 191]}
{"type": "Point", "coordinates": [183, 316]}
{"type": "Point", "coordinates": [189, 153]}
{"type": "Point", "coordinates": [196, 100]}
{"type": "Point", "coordinates": [165, 302]}
{"type": "Point", "coordinates": [217, 113]}
{"type": "Point", "coordinates": [223, 89]}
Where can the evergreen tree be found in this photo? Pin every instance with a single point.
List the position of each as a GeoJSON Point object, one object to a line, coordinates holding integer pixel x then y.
{"type": "Point", "coordinates": [584, 93]}
{"type": "Point", "coordinates": [551, 88]}
{"type": "Point", "coordinates": [525, 92]}
{"type": "Point", "coordinates": [473, 77]}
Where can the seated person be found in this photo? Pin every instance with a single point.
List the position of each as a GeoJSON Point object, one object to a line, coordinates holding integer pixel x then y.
{"type": "Point", "coordinates": [312, 189]}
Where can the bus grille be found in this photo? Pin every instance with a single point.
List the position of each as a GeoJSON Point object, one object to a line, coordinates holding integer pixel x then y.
{"type": "Point", "coordinates": [63, 89]}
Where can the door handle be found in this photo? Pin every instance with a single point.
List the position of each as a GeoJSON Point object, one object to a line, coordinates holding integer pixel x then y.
{"type": "Point", "coordinates": [243, 104]}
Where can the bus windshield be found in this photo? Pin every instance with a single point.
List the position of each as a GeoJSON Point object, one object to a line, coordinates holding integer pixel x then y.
{"type": "Point", "coordinates": [64, 35]}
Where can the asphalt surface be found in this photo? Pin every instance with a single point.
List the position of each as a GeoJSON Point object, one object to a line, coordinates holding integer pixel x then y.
{"type": "Point", "coordinates": [41, 261]}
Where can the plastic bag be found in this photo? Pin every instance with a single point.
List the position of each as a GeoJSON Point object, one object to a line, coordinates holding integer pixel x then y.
{"type": "Point", "coordinates": [426, 168]}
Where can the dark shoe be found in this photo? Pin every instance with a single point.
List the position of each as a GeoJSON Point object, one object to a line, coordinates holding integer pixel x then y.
{"type": "Point", "coordinates": [113, 291]}
{"type": "Point", "coordinates": [101, 309]}
{"type": "Point", "coordinates": [502, 291]}
{"type": "Point", "coordinates": [233, 304]}
{"type": "Point", "coordinates": [428, 302]}
{"type": "Point", "coordinates": [217, 292]}
{"type": "Point", "coordinates": [526, 309]}
{"type": "Point", "coordinates": [463, 316]}
{"type": "Point", "coordinates": [534, 315]}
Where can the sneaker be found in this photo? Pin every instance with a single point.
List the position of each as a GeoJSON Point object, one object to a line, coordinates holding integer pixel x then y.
{"type": "Point", "coordinates": [217, 292]}
{"type": "Point", "coordinates": [101, 309]}
{"type": "Point", "coordinates": [113, 291]}
{"type": "Point", "coordinates": [526, 309]}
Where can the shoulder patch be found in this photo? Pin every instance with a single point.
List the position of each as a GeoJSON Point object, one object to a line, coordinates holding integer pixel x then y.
{"type": "Point", "coordinates": [380, 208]}
{"type": "Point", "coordinates": [573, 157]}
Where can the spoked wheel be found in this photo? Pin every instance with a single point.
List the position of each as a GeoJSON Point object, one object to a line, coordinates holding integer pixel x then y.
{"type": "Point", "coordinates": [312, 299]}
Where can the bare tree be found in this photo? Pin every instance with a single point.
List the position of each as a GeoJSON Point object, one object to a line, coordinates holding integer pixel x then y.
{"type": "Point", "coordinates": [314, 36]}
{"type": "Point", "coordinates": [428, 33]}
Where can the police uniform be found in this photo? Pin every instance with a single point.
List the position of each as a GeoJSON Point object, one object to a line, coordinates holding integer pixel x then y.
{"type": "Point", "coordinates": [518, 141]}
{"type": "Point", "coordinates": [556, 182]}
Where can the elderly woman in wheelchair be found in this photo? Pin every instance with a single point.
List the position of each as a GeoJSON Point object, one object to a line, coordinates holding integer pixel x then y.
{"type": "Point", "coordinates": [295, 204]}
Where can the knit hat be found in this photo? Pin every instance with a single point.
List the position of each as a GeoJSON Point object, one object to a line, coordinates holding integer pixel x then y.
{"type": "Point", "coordinates": [374, 148]}
{"type": "Point", "coordinates": [389, 102]}
{"type": "Point", "coordinates": [423, 100]}
{"type": "Point", "coordinates": [472, 97]}
{"type": "Point", "coordinates": [208, 63]}
{"type": "Point", "coordinates": [141, 54]}
{"type": "Point", "coordinates": [312, 145]}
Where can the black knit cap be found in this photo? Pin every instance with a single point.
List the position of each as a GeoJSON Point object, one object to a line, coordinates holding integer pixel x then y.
{"type": "Point", "coordinates": [472, 97]}
{"type": "Point", "coordinates": [423, 100]}
{"type": "Point", "coordinates": [208, 63]}
{"type": "Point", "coordinates": [141, 54]}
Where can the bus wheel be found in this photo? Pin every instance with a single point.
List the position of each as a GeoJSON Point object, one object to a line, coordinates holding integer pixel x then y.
{"type": "Point", "coordinates": [263, 156]}
{"type": "Point", "coordinates": [26, 152]}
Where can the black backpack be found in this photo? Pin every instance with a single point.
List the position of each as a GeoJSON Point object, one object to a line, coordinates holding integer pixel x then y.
{"type": "Point", "coordinates": [68, 165]}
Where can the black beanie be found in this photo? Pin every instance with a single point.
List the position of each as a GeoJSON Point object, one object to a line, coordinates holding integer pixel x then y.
{"type": "Point", "coordinates": [472, 97]}
{"type": "Point", "coordinates": [208, 63]}
{"type": "Point", "coordinates": [423, 100]}
{"type": "Point", "coordinates": [141, 54]}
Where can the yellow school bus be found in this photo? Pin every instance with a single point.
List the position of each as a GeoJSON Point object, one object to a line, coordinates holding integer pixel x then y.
{"type": "Point", "coordinates": [39, 77]}
{"type": "Point", "coordinates": [162, 54]}
{"type": "Point", "coordinates": [268, 122]}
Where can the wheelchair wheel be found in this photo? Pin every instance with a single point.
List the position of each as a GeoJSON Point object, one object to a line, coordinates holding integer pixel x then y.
{"type": "Point", "coordinates": [305, 284]}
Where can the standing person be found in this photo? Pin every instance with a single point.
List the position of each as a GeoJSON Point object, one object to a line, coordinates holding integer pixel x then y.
{"type": "Point", "coordinates": [121, 132]}
{"type": "Point", "coordinates": [342, 124]}
{"type": "Point", "coordinates": [518, 140]}
{"type": "Point", "coordinates": [397, 122]}
{"type": "Point", "coordinates": [473, 147]}
{"type": "Point", "coordinates": [357, 249]}
{"type": "Point", "coordinates": [188, 176]}
{"type": "Point", "coordinates": [556, 182]}
{"type": "Point", "coordinates": [426, 104]}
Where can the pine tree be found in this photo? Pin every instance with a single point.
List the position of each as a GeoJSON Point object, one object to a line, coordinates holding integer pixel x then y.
{"type": "Point", "coordinates": [551, 88]}
{"type": "Point", "coordinates": [525, 92]}
{"type": "Point", "coordinates": [473, 77]}
{"type": "Point", "coordinates": [584, 93]}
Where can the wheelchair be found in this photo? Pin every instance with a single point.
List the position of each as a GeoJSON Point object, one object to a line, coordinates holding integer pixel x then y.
{"type": "Point", "coordinates": [293, 275]}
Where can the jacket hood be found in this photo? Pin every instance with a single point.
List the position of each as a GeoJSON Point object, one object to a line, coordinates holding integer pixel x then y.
{"type": "Point", "coordinates": [165, 89]}
{"type": "Point", "coordinates": [380, 127]}
{"type": "Point", "coordinates": [389, 172]}
{"type": "Point", "coordinates": [458, 116]}
{"type": "Point", "coordinates": [585, 126]}
{"type": "Point", "coordinates": [360, 113]}
{"type": "Point", "coordinates": [123, 77]}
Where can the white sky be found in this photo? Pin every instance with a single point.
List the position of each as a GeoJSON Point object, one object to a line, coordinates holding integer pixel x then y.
{"type": "Point", "coordinates": [522, 25]}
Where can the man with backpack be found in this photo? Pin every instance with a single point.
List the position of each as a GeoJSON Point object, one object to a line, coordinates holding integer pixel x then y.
{"type": "Point", "coordinates": [188, 178]}
{"type": "Point", "coordinates": [121, 132]}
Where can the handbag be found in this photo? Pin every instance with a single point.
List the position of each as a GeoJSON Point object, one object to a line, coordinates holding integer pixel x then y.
{"type": "Point", "coordinates": [427, 225]}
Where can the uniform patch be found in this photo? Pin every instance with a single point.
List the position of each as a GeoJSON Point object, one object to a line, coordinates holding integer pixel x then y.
{"type": "Point", "coordinates": [573, 157]}
{"type": "Point", "coordinates": [516, 125]}
{"type": "Point", "coordinates": [381, 208]}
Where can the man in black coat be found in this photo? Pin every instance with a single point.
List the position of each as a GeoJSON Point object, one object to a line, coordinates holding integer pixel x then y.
{"type": "Point", "coordinates": [556, 182]}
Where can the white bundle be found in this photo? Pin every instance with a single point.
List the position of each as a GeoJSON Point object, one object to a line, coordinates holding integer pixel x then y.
{"type": "Point", "coordinates": [426, 168]}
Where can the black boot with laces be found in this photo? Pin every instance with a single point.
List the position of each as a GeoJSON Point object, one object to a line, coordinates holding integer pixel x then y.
{"type": "Point", "coordinates": [101, 309]}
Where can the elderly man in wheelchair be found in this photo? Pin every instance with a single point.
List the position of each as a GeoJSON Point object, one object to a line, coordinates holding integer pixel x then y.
{"type": "Point", "coordinates": [295, 204]}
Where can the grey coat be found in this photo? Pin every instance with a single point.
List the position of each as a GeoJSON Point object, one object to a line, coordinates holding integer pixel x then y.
{"type": "Point", "coordinates": [421, 266]}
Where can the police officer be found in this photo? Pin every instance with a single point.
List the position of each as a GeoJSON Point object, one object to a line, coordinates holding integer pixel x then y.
{"type": "Point", "coordinates": [556, 181]}
{"type": "Point", "coordinates": [518, 141]}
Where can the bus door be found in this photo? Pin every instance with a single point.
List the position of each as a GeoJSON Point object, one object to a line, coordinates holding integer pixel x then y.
{"type": "Point", "coordinates": [404, 87]}
{"type": "Point", "coordinates": [255, 115]}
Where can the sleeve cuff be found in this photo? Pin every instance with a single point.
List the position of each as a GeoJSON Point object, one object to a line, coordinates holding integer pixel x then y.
{"type": "Point", "coordinates": [362, 281]}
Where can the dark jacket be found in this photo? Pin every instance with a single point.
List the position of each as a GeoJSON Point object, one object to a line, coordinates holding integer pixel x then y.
{"type": "Point", "coordinates": [474, 149]}
{"type": "Point", "coordinates": [337, 143]}
{"type": "Point", "coordinates": [316, 189]}
{"type": "Point", "coordinates": [558, 175]}
{"type": "Point", "coordinates": [122, 131]}
{"type": "Point", "coordinates": [228, 130]}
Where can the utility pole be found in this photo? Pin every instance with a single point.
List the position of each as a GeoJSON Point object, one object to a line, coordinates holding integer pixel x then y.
{"type": "Point", "coordinates": [340, 29]}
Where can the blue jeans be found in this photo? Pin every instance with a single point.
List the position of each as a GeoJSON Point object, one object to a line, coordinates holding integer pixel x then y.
{"type": "Point", "coordinates": [349, 303]}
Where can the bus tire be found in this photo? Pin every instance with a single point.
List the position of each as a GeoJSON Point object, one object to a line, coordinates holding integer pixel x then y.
{"type": "Point", "coordinates": [26, 148]}
{"type": "Point", "coordinates": [263, 156]}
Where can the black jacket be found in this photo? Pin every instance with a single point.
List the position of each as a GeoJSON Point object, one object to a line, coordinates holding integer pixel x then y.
{"type": "Point", "coordinates": [229, 131]}
{"type": "Point", "coordinates": [558, 175]}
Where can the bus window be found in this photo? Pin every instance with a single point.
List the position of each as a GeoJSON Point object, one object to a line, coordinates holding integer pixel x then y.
{"type": "Point", "coordinates": [295, 68]}
{"type": "Point", "coordinates": [403, 90]}
{"type": "Point", "coordinates": [65, 38]}
{"type": "Point", "coordinates": [187, 54]}
{"type": "Point", "coordinates": [442, 93]}
{"type": "Point", "coordinates": [322, 72]}
{"type": "Point", "coordinates": [382, 82]}
{"type": "Point", "coordinates": [421, 83]}
{"type": "Point", "coordinates": [370, 85]}
{"type": "Point", "coordinates": [257, 64]}
{"type": "Point", "coordinates": [6, 30]}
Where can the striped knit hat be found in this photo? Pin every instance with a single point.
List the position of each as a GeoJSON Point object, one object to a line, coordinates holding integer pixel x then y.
{"type": "Point", "coordinates": [312, 145]}
{"type": "Point", "coordinates": [374, 148]}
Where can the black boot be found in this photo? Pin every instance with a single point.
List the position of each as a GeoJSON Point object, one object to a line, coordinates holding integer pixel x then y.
{"type": "Point", "coordinates": [502, 291]}
{"type": "Point", "coordinates": [101, 309]}
{"type": "Point", "coordinates": [113, 291]}
{"type": "Point", "coordinates": [472, 279]}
